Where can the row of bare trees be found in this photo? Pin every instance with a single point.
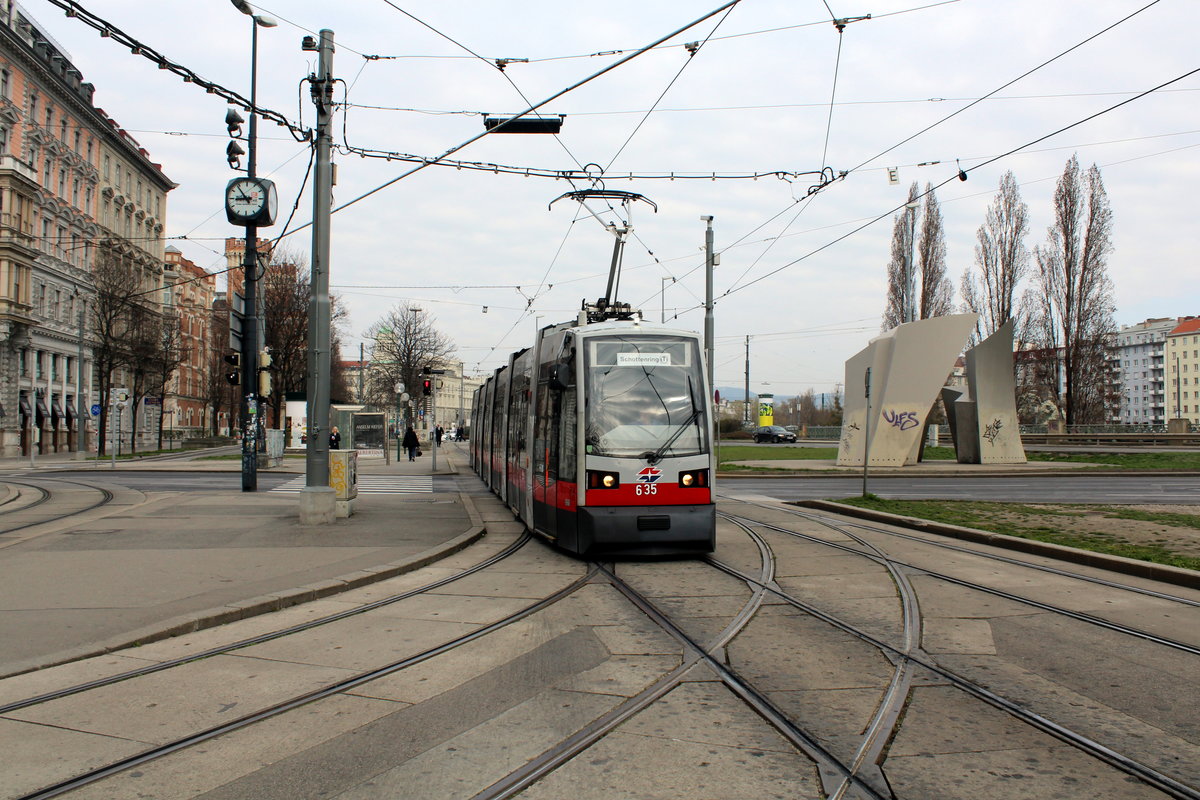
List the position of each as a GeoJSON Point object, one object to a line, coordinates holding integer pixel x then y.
{"type": "Point", "coordinates": [132, 338]}
{"type": "Point", "coordinates": [137, 343]}
{"type": "Point", "coordinates": [1061, 299]}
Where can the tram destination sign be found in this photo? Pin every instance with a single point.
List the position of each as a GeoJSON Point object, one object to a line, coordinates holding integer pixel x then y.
{"type": "Point", "coordinates": [643, 359]}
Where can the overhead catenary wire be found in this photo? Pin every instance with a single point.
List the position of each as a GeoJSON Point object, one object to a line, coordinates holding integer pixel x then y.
{"type": "Point", "coordinates": [534, 107]}
{"type": "Point", "coordinates": [138, 48]}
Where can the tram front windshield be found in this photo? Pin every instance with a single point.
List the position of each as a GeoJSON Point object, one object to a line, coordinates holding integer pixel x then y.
{"type": "Point", "coordinates": [645, 394]}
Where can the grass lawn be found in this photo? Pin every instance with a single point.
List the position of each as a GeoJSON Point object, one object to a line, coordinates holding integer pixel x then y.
{"type": "Point", "coordinates": [1150, 460]}
{"type": "Point", "coordinates": [1158, 537]}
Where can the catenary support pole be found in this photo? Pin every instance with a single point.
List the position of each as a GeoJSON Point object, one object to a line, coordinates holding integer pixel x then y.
{"type": "Point", "coordinates": [317, 501]}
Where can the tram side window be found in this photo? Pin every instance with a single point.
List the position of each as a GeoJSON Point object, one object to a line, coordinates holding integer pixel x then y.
{"type": "Point", "coordinates": [566, 463]}
{"type": "Point", "coordinates": [541, 431]}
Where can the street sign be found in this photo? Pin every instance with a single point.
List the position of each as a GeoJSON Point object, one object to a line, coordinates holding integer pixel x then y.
{"type": "Point", "coordinates": [95, 409]}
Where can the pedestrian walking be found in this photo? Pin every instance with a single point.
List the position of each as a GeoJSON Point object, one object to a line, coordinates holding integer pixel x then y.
{"type": "Point", "coordinates": [411, 443]}
{"type": "Point", "coordinates": [335, 439]}
{"type": "Point", "coordinates": [438, 434]}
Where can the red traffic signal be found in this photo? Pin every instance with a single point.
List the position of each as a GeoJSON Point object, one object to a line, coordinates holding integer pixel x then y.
{"type": "Point", "coordinates": [427, 386]}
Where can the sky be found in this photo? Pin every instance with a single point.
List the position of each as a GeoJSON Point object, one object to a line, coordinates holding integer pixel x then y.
{"type": "Point", "coordinates": [769, 88]}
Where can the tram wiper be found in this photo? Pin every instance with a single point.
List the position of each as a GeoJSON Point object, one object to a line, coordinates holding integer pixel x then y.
{"type": "Point", "coordinates": [656, 456]}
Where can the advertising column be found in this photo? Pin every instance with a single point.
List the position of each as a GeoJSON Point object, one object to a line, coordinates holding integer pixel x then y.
{"type": "Point", "coordinates": [766, 410]}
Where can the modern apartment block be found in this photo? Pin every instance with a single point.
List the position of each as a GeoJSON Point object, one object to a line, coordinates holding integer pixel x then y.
{"type": "Point", "coordinates": [1139, 383]}
{"type": "Point", "coordinates": [1182, 367]}
{"type": "Point", "coordinates": [74, 188]}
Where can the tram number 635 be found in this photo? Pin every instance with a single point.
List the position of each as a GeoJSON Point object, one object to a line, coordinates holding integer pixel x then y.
{"type": "Point", "coordinates": [647, 488]}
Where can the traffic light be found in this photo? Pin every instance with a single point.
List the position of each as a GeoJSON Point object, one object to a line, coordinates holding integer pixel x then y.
{"type": "Point", "coordinates": [427, 387]}
{"type": "Point", "coordinates": [264, 374]}
{"type": "Point", "coordinates": [234, 374]}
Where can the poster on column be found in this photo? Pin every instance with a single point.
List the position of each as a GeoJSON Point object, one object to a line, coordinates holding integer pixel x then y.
{"type": "Point", "coordinates": [766, 410]}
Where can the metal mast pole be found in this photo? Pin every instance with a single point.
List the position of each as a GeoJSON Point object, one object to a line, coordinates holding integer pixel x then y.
{"type": "Point", "coordinates": [709, 338]}
{"type": "Point", "coordinates": [317, 503]}
{"type": "Point", "coordinates": [249, 404]}
{"type": "Point", "coordinates": [747, 396]}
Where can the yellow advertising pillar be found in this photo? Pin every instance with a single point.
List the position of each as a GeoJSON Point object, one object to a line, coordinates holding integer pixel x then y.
{"type": "Point", "coordinates": [766, 410]}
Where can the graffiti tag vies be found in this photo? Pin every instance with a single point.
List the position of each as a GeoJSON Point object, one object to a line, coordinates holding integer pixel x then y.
{"type": "Point", "coordinates": [992, 431]}
{"type": "Point", "coordinates": [901, 419]}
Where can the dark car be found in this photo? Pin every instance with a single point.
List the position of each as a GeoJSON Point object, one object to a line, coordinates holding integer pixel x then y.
{"type": "Point", "coordinates": [774, 433]}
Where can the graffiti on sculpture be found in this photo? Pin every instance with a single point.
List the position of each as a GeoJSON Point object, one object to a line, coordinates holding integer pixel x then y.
{"type": "Point", "coordinates": [992, 431]}
{"type": "Point", "coordinates": [901, 419]}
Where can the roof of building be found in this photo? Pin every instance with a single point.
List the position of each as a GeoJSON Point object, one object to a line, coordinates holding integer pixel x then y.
{"type": "Point", "coordinates": [1191, 325]}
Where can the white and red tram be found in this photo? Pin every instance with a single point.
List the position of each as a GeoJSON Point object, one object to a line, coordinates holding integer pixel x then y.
{"type": "Point", "coordinates": [599, 438]}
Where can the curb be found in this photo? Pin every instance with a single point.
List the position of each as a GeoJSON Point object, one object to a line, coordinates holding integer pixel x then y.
{"type": "Point", "coordinates": [898, 472]}
{"type": "Point", "coordinates": [265, 604]}
{"type": "Point", "coordinates": [1177, 576]}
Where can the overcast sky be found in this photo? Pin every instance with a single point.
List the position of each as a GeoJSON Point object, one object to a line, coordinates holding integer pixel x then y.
{"type": "Point", "coordinates": [754, 98]}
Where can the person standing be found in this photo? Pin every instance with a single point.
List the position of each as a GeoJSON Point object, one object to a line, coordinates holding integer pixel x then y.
{"type": "Point", "coordinates": [411, 443]}
{"type": "Point", "coordinates": [438, 434]}
{"type": "Point", "coordinates": [335, 439]}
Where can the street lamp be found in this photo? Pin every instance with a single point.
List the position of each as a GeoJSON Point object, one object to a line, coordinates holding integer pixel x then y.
{"type": "Point", "coordinates": [249, 415]}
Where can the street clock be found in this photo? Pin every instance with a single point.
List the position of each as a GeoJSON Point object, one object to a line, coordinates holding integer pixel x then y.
{"type": "Point", "coordinates": [251, 201]}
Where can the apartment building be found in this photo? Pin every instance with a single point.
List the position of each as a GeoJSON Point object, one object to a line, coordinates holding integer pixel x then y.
{"type": "Point", "coordinates": [1138, 379]}
{"type": "Point", "coordinates": [1181, 356]}
{"type": "Point", "coordinates": [73, 185]}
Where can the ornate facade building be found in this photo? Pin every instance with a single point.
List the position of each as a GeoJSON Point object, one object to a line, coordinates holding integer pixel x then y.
{"type": "Point", "coordinates": [73, 186]}
{"type": "Point", "coordinates": [191, 291]}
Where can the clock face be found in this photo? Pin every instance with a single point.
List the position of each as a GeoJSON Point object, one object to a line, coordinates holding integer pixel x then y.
{"type": "Point", "coordinates": [245, 197]}
{"type": "Point", "coordinates": [250, 201]}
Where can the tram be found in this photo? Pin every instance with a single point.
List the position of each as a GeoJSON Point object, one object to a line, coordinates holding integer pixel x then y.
{"type": "Point", "coordinates": [599, 437]}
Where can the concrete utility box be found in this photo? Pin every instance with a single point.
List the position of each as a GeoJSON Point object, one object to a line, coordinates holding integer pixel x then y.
{"type": "Point", "coordinates": [343, 479]}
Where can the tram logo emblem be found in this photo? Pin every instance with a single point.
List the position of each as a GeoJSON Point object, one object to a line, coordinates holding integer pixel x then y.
{"type": "Point", "coordinates": [649, 475]}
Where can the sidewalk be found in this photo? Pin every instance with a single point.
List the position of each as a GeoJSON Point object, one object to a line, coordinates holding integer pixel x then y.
{"type": "Point", "coordinates": [150, 565]}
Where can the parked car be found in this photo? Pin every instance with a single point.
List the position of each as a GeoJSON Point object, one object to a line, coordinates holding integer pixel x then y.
{"type": "Point", "coordinates": [774, 433]}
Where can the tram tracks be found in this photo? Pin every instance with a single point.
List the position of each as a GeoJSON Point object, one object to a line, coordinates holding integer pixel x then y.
{"type": "Point", "coordinates": [53, 500]}
{"type": "Point", "coordinates": [884, 723]}
{"type": "Point", "coordinates": [709, 623]}
{"type": "Point", "coordinates": [11, 709]}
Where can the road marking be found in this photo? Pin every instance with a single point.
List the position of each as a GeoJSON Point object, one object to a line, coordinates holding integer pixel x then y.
{"type": "Point", "coordinates": [374, 484]}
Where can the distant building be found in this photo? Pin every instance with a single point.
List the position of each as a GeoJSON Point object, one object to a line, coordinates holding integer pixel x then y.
{"type": "Point", "coordinates": [1181, 354]}
{"type": "Point", "coordinates": [1139, 382]}
{"type": "Point", "coordinates": [189, 297]}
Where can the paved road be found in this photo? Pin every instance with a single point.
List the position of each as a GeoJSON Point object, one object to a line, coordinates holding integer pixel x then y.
{"type": "Point", "coordinates": [1149, 489]}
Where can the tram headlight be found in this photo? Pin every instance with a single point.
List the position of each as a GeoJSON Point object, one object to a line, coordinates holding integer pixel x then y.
{"type": "Point", "coordinates": [694, 479]}
{"type": "Point", "coordinates": [602, 480]}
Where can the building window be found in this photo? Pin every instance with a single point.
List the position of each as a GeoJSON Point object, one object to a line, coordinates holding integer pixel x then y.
{"type": "Point", "coordinates": [33, 107]}
{"type": "Point", "coordinates": [5, 75]}
{"type": "Point", "coordinates": [49, 119]}
{"type": "Point", "coordinates": [3, 139]}
{"type": "Point", "coordinates": [107, 167]}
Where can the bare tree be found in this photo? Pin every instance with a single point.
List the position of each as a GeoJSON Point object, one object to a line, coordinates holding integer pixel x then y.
{"type": "Point", "coordinates": [219, 392]}
{"type": "Point", "coordinates": [937, 293]}
{"type": "Point", "coordinates": [903, 240]}
{"type": "Point", "coordinates": [161, 365]}
{"type": "Point", "coordinates": [1074, 313]}
{"type": "Point", "coordinates": [934, 294]}
{"type": "Point", "coordinates": [123, 317]}
{"type": "Point", "coordinates": [286, 289]}
{"type": "Point", "coordinates": [1001, 261]}
{"type": "Point", "coordinates": [403, 342]}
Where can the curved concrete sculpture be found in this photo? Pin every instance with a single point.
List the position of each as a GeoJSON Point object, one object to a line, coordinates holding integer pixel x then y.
{"type": "Point", "coordinates": [984, 423]}
{"type": "Point", "coordinates": [909, 364]}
